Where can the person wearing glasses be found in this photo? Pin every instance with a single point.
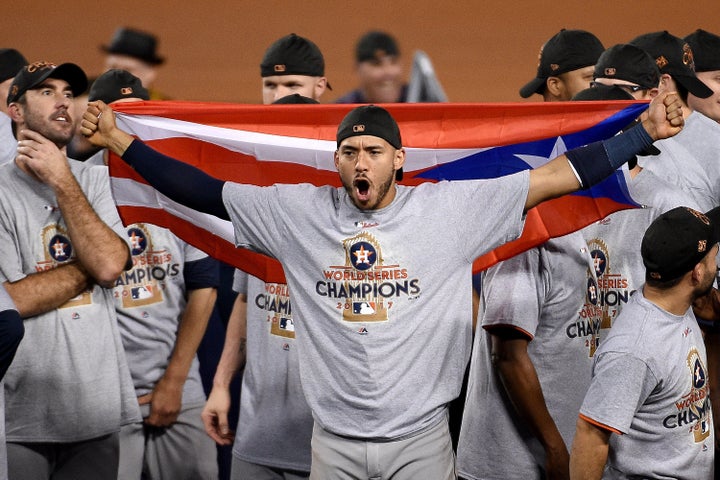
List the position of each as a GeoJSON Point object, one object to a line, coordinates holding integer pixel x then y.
{"type": "Point", "coordinates": [630, 68]}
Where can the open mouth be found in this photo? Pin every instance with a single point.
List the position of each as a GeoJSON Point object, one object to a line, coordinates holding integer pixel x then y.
{"type": "Point", "coordinates": [62, 117]}
{"type": "Point", "coordinates": [362, 187]}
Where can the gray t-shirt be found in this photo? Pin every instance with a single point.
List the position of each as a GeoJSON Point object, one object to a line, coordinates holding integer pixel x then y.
{"type": "Point", "coordinates": [69, 380]}
{"type": "Point", "coordinates": [650, 384]}
{"type": "Point", "coordinates": [545, 294]}
{"type": "Point", "coordinates": [275, 423]}
{"type": "Point", "coordinates": [384, 295]}
{"type": "Point", "coordinates": [681, 161]}
{"type": "Point", "coordinates": [6, 303]}
{"type": "Point", "coordinates": [701, 136]}
{"type": "Point", "coordinates": [150, 300]}
{"type": "Point", "coordinates": [615, 240]}
{"type": "Point", "coordinates": [8, 143]}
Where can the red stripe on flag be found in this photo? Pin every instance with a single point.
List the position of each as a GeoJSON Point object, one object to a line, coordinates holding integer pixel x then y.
{"type": "Point", "coordinates": [539, 230]}
{"type": "Point", "coordinates": [254, 263]}
{"type": "Point", "coordinates": [456, 125]}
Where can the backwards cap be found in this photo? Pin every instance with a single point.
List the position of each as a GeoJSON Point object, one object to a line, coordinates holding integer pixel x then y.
{"type": "Point", "coordinates": [293, 55]}
{"type": "Point", "coordinates": [371, 120]}
{"type": "Point", "coordinates": [115, 85]}
{"type": "Point", "coordinates": [630, 63]}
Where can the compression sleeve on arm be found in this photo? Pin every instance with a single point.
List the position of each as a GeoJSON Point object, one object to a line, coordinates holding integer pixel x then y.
{"type": "Point", "coordinates": [597, 161]}
{"type": "Point", "coordinates": [179, 181]}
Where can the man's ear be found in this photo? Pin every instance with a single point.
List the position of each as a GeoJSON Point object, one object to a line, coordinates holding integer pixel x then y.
{"type": "Point", "coordinates": [554, 86]}
{"type": "Point", "coordinates": [399, 160]}
{"type": "Point", "coordinates": [15, 112]}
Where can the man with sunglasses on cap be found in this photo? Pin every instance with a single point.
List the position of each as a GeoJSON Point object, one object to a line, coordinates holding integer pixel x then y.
{"type": "Point", "coordinates": [69, 389]}
{"type": "Point", "coordinates": [386, 319]}
{"type": "Point", "coordinates": [647, 412]}
{"type": "Point", "coordinates": [630, 68]}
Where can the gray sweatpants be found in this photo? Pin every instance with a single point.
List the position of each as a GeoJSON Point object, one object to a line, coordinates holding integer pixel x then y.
{"type": "Point", "coordinates": [242, 470]}
{"type": "Point", "coordinates": [181, 451]}
{"type": "Point", "coordinates": [425, 456]}
{"type": "Point", "coordinates": [94, 459]}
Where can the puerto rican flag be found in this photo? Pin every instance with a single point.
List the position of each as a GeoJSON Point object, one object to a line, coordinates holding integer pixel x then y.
{"type": "Point", "coordinates": [265, 145]}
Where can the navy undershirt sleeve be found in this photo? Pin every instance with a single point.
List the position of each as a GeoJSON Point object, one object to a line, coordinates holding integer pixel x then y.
{"type": "Point", "coordinates": [179, 181]}
{"type": "Point", "coordinates": [203, 273]}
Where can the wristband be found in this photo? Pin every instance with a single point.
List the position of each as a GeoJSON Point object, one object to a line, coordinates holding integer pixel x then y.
{"type": "Point", "coordinates": [597, 161]}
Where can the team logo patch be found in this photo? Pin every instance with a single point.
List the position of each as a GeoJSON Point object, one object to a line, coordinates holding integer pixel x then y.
{"type": "Point", "coordinates": [610, 71]}
{"type": "Point", "coordinates": [279, 68]}
{"type": "Point", "coordinates": [661, 62]}
{"type": "Point", "coordinates": [60, 248]}
{"type": "Point", "coordinates": [694, 407]}
{"type": "Point", "coordinates": [138, 241]}
{"type": "Point", "coordinates": [363, 255]}
{"type": "Point", "coordinates": [358, 128]}
{"type": "Point", "coordinates": [688, 58]}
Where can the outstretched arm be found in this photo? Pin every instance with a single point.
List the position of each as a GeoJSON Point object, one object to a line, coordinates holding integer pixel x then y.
{"type": "Point", "coordinates": [179, 181]}
{"type": "Point", "coordinates": [597, 161]}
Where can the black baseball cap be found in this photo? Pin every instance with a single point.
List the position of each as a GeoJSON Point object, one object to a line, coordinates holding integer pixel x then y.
{"type": "Point", "coordinates": [293, 55]}
{"type": "Point", "coordinates": [566, 51]}
{"type": "Point", "coordinates": [371, 120]}
{"type": "Point", "coordinates": [134, 43]}
{"type": "Point", "coordinates": [35, 73]}
{"type": "Point", "coordinates": [678, 240]}
{"type": "Point", "coordinates": [295, 99]}
{"type": "Point", "coordinates": [706, 50]}
{"type": "Point", "coordinates": [630, 63]}
{"type": "Point", "coordinates": [11, 61]}
{"type": "Point", "coordinates": [603, 92]}
{"type": "Point", "coordinates": [374, 44]}
{"type": "Point", "coordinates": [116, 84]}
{"type": "Point", "coordinates": [673, 56]}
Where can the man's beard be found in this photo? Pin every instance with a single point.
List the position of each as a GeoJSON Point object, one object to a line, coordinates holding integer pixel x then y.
{"type": "Point", "coordinates": [41, 125]}
{"type": "Point", "coordinates": [382, 192]}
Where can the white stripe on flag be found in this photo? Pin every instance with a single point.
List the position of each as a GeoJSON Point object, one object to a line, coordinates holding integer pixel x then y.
{"type": "Point", "coordinates": [130, 193]}
{"type": "Point", "coordinates": [267, 147]}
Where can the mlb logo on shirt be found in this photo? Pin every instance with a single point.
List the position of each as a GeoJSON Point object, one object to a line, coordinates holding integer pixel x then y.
{"type": "Point", "coordinates": [287, 324]}
{"type": "Point", "coordinates": [363, 308]}
{"type": "Point", "coordinates": [138, 293]}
